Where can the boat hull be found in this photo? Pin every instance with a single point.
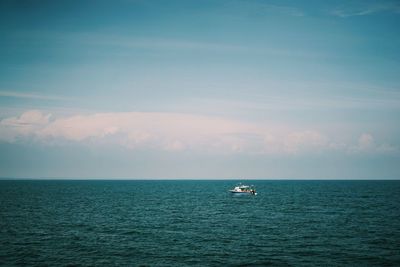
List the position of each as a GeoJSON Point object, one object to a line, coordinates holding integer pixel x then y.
{"type": "Point", "coordinates": [242, 193]}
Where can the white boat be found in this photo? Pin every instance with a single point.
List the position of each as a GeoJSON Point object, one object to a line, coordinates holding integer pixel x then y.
{"type": "Point", "coordinates": [243, 190]}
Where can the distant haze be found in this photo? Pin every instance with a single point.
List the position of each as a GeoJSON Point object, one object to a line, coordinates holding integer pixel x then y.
{"type": "Point", "coordinates": [200, 89]}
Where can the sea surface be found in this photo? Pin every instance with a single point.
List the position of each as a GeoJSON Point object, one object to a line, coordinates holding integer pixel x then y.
{"type": "Point", "coordinates": [199, 223]}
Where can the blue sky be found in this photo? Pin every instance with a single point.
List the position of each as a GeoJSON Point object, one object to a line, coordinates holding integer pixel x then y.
{"type": "Point", "coordinates": [200, 89]}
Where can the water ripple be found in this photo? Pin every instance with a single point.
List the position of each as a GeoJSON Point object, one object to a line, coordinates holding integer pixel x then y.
{"type": "Point", "coordinates": [198, 223]}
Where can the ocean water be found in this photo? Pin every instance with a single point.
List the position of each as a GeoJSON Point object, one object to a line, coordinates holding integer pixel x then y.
{"type": "Point", "coordinates": [199, 223]}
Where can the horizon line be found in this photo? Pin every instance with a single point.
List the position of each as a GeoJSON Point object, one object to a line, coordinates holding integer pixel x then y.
{"type": "Point", "coordinates": [189, 179]}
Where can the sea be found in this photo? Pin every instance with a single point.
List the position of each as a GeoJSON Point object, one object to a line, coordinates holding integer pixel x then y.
{"type": "Point", "coordinates": [199, 223]}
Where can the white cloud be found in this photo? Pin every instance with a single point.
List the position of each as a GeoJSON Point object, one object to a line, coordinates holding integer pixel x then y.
{"type": "Point", "coordinates": [27, 124]}
{"type": "Point", "coordinates": [366, 142]}
{"type": "Point", "coordinates": [176, 132]}
{"type": "Point", "coordinates": [365, 8]}
{"type": "Point", "coordinates": [166, 131]}
{"type": "Point", "coordinates": [306, 140]}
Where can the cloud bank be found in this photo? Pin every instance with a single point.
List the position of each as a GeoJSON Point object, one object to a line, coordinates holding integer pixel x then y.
{"type": "Point", "coordinates": [175, 132]}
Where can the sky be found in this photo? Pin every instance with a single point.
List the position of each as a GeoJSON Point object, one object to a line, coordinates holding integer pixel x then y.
{"type": "Point", "coordinates": [238, 89]}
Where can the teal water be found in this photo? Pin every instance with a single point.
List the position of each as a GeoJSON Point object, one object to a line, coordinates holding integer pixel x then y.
{"type": "Point", "coordinates": [186, 223]}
